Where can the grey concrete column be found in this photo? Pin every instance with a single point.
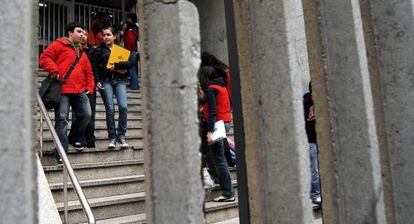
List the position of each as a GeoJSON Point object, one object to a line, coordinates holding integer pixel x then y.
{"type": "Point", "coordinates": [170, 60]}
{"type": "Point", "coordinates": [394, 35]}
{"type": "Point", "coordinates": [274, 76]}
{"type": "Point", "coordinates": [17, 160]}
{"type": "Point", "coordinates": [355, 144]}
{"type": "Point", "coordinates": [213, 28]}
{"type": "Point", "coordinates": [322, 115]}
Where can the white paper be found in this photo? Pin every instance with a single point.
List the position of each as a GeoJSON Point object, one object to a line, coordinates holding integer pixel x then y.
{"type": "Point", "coordinates": [219, 131]}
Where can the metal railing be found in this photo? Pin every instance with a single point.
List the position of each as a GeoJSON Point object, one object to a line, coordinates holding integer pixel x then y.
{"type": "Point", "coordinates": [67, 168]}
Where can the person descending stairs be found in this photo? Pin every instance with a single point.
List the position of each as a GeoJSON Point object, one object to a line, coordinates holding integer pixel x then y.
{"type": "Point", "coordinates": [113, 179]}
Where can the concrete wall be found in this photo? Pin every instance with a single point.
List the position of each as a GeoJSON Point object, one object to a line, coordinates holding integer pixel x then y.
{"type": "Point", "coordinates": [213, 28]}
{"type": "Point", "coordinates": [274, 75]}
{"type": "Point", "coordinates": [170, 60]}
{"type": "Point", "coordinates": [17, 162]}
{"type": "Point", "coordinates": [394, 39]}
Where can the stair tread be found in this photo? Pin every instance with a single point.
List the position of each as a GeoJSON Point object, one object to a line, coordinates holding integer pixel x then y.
{"type": "Point", "coordinates": [103, 181]}
{"type": "Point", "coordinates": [214, 206]}
{"type": "Point", "coordinates": [94, 165]}
{"type": "Point", "coordinates": [102, 126]}
{"type": "Point", "coordinates": [72, 150]}
{"type": "Point", "coordinates": [229, 221]}
{"type": "Point", "coordinates": [98, 137]}
{"type": "Point", "coordinates": [104, 201]}
{"type": "Point", "coordinates": [136, 218]}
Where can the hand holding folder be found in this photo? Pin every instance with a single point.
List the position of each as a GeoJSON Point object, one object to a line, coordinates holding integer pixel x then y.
{"type": "Point", "coordinates": [118, 54]}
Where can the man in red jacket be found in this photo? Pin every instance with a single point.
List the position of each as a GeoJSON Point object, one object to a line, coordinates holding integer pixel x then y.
{"type": "Point", "coordinates": [57, 60]}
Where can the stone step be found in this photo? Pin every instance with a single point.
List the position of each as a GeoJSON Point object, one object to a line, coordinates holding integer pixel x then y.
{"type": "Point", "coordinates": [101, 143]}
{"type": "Point", "coordinates": [103, 134]}
{"type": "Point", "coordinates": [137, 124]}
{"type": "Point", "coordinates": [94, 155]}
{"type": "Point", "coordinates": [97, 170]}
{"type": "Point", "coordinates": [130, 219]}
{"type": "Point", "coordinates": [102, 116]}
{"type": "Point", "coordinates": [106, 207]}
{"type": "Point", "coordinates": [129, 209]}
{"type": "Point", "coordinates": [97, 188]}
{"type": "Point", "coordinates": [217, 192]}
{"type": "Point", "coordinates": [101, 108]}
{"type": "Point", "coordinates": [215, 212]}
{"type": "Point", "coordinates": [221, 211]}
{"type": "Point", "coordinates": [229, 221]}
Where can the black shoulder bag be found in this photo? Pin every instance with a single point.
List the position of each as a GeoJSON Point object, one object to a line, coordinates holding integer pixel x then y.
{"type": "Point", "coordinates": [51, 89]}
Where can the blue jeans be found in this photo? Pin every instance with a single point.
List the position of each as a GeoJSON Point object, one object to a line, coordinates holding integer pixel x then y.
{"type": "Point", "coordinates": [81, 107]}
{"type": "Point", "coordinates": [315, 183]}
{"type": "Point", "coordinates": [90, 128]}
{"type": "Point", "coordinates": [217, 162]}
{"type": "Point", "coordinates": [133, 73]}
{"type": "Point", "coordinates": [118, 88]}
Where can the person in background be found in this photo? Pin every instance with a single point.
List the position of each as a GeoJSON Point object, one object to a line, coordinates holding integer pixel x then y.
{"type": "Point", "coordinates": [309, 110]}
{"type": "Point", "coordinates": [90, 128]}
{"type": "Point", "coordinates": [111, 81]}
{"type": "Point", "coordinates": [220, 68]}
{"type": "Point", "coordinates": [99, 21]}
{"type": "Point", "coordinates": [131, 44]}
{"type": "Point", "coordinates": [57, 60]}
{"type": "Point", "coordinates": [216, 107]}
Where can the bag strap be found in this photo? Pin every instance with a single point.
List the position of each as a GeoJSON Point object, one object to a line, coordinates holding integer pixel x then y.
{"type": "Point", "coordinates": [72, 67]}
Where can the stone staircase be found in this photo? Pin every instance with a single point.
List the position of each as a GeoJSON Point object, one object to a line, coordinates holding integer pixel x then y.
{"type": "Point", "coordinates": [113, 180]}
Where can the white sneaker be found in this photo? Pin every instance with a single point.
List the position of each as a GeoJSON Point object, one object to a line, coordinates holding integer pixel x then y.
{"type": "Point", "coordinates": [224, 199]}
{"type": "Point", "coordinates": [123, 143]}
{"type": "Point", "coordinates": [317, 200]}
{"type": "Point", "coordinates": [112, 143]}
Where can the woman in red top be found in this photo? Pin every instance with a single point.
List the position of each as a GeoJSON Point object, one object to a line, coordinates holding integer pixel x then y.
{"type": "Point", "coordinates": [216, 107]}
{"type": "Point", "coordinates": [220, 68]}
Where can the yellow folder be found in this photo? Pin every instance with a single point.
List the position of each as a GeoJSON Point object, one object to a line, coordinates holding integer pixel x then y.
{"type": "Point", "coordinates": [118, 54]}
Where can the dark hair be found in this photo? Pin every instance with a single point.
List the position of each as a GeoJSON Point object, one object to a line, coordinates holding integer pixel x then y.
{"type": "Point", "coordinates": [70, 27]}
{"type": "Point", "coordinates": [220, 68]}
{"type": "Point", "coordinates": [132, 16]}
{"type": "Point", "coordinates": [208, 59]}
{"type": "Point", "coordinates": [111, 28]}
{"type": "Point", "coordinates": [205, 75]}
{"type": "Point", "coordinates": [132, 26]}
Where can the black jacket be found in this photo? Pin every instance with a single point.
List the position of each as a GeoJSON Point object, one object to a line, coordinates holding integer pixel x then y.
{"type": "Point", "coordinates": [309, 117]}
{"type": "Point", "coordinates": [101, 59]}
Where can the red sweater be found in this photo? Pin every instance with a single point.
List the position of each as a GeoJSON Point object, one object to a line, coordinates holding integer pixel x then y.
{"type": "Point", "coordinates": [58, 58]}
{"type": "Point", "coordinates": [222, 105]}
{"type": "Point", "coordinates": [130, 41]}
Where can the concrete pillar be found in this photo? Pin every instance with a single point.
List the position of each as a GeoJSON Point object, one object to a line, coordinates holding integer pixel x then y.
{"type": "Point", "coordinates": [17, 161]}
{"type": "Point", "coordinates": [394, 36]}
{"type": "Point", "coordinates": [170, 60]}
{"type": "Point", "coordinates": [322, 115]}
{"type": "Point", "coordinates": [274, 76]}
{"type": "Point", "coordinates": [213, 28]}
{"type": "Point", "coordinates": [356, 156]}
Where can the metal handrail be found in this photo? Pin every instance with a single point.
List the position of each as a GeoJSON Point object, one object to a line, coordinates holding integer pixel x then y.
{"type": "Point", "coordinates": [67, 168]}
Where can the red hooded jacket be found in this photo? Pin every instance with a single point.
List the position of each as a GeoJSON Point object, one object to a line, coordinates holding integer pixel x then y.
{"type": "Point", "coordinates": [58, 58]}
{"type": "Point", "coordinates": [130, 41]}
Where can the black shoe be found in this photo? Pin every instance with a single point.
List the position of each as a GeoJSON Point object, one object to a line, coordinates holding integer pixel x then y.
{"type": "Point", "coordinates": [60, 161]}
{"type": "Point", "coordinates": [79, 146]}
{"type": "Point", "coordinates": [90, 145]}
